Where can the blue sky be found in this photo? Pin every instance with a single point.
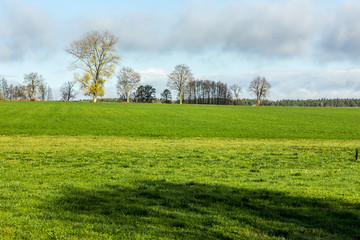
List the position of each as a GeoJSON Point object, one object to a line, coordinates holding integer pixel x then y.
{"type": "Point", "coordinates": [306, 49]}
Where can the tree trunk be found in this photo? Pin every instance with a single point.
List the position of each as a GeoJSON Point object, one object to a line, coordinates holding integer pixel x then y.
{"type": "Point", "coordinates": [95, 98]}
{"type": "Point", "coordinates": [33, 96]}
{"type": "Point", "coordinates": [127, 97]}
{"type": "Point", "coordinates": [180, 96]}
{"type": "Point", "coordinates": [258, 102]}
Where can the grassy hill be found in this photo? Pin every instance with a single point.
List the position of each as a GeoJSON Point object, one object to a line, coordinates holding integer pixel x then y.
{"type": "Point", "coordinates": [138, 171]}
{"type": "Point", "coordinates": [112, 119]}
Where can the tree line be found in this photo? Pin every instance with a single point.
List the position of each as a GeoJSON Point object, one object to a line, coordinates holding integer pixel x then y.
{"type": "Point", "coordinates": [324, 102]}
{"type": "Point", "coordinates": [34, 87]}
{"type": "Point", "coordinates": [94, 56]}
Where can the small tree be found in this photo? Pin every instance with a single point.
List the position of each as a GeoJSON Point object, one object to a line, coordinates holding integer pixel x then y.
{"type": "Point", "coordinates": [4, 89]}
{"type": "Point", "coordinates": [128, 79]}
{"type": "Point", "coordinates": [49, 94]}
{"type": "Point", "coordinates": [260, 87]}
{"type": "Point", "coordinates": [179, 79]}
{"type": "Point", "coordinates": [95, 55]}
{"type": "Point", "coordinates": [166, 96]}
{"type": "Point", "coordinates": [236, 90]}
{"type": "Point", "coordinates": [43, 91]}
{"type": "Point", "coordinates": [21, 92]}
{"type": "Point", "coordinates": [67, 91]}
{"type": "Point", "coordinates": [33, 81]}
{"type": "Point", "coordinates": [145, 94]}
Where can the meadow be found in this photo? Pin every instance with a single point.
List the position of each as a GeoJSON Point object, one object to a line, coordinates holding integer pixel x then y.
{"type": "Point", "coordinates": [141, 171]}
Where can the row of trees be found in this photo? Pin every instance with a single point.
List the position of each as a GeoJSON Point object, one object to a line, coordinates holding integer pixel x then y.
{"type": "Point", "coordinates": [95, 56]}
{"type": "Point", "coordinates": [146, 94]}
{"type": "Point", "coordinates": [337, 102]}
{"type": "Point", "coordinates": [211, 92]}
{"type": "Point", "coordinates": [34, 87]}
{"type": "Point", "coordinates": [190, 90]}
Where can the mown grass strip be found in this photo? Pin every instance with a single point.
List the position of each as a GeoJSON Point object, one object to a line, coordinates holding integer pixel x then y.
{"type": "Point", "coordinates": [160, 120]}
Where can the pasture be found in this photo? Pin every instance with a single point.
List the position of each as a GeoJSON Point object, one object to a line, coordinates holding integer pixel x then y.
{"type": "Point", "coordinates": [138, 171]}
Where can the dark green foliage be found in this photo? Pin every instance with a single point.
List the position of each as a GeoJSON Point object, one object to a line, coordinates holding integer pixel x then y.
{"type": "Point", "coordinates": [166, 96]}
{"type": "Point", "coordinates": [337, 102]}
{"type": "Point", "coordinates": [145, 94]}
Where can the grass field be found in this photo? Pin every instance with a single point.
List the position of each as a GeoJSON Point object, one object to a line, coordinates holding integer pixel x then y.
{"type": "Point", "coordinates": [108, 119]}
{"type": "Point", "coordinates": [137, 171]}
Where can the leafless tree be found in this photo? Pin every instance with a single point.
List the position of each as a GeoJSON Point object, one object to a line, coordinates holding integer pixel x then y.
{"type": "Point", "coordinates": [33, 81]}
{"type": "Point", "coordinates": [67, 91]}
{"type": "Point", "coordinates": [260, 87]}
{"type": "Point", "coordinates": [49, 94]}
{"type": "Point", "coordinates": [236, 90]}
{"type": "Point", "coordinates": [95, 55]}
{"type": "Point", "coordinates": [4, 89]}
{"type": "Point", "coordinates": [179, 79]}
{"type": "Point", "coordinates": [43, 91]}
{"type": "Point", "coordinates": [128, 79]}
{"type": "Point", "coordinates": [21, 92]}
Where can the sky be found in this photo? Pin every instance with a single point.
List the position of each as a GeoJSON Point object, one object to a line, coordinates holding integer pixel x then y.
{"type": "Point", "coordinates": [306, 49]}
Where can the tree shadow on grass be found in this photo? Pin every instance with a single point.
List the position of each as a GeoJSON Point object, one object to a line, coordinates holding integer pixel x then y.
{"type": "Point", "coordinates": [200, 211]}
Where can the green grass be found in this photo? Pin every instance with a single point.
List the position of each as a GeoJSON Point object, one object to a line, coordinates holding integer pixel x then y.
{"type": "Point", "coordinates": [57, 118]}
{"type": "Point", "coordinates": [137, 171]}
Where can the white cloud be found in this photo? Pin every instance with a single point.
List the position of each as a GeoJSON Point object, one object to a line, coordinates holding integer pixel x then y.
{"type": "Point", "coordinates": [265, 29]}
{"type": "Point", "coordinates": [340, 40]}
{"type": "Point", "coordinates": [24, 29]}
{"type": "Point", "coordinates": [155, 77]}
{"type": "Point", "coordinates": [277, 28]}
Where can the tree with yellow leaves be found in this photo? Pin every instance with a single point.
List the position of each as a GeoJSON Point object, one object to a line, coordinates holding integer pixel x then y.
{"type": "Point", "coordinates": [95, 55]}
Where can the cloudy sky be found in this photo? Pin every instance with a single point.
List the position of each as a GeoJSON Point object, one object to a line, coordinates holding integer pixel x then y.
{"type": "Point", "coordinates": [306, 49]}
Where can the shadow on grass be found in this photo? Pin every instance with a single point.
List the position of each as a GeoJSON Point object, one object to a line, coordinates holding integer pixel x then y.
{"type": "Point", "coordinates": [199, 211]}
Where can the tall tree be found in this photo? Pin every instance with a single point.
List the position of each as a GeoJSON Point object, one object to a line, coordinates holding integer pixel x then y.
{"type": "Point", "coordinates": [179, 79]}
{"type": "Point", "coordinates": [67, 91]}
{"type": "Point", "coordinates": [260, 88]}
{"type": "Point", "coordinates": [236, 90]}
{"type": "Point", "coordinates": [128, 79]}
{"type": "Point", "coordinates": [166, 96]}
{"type": "Point", "coordinates": [95, 55]}
{"type": "Point", "coordinates": [33, 82]}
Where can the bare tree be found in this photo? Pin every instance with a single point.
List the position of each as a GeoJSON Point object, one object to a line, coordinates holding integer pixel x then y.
{"type": "Point", "coordinates": [179, 79]}
{"type": "Point", "coordinates": [236, 90]}
{"type": "Point", "coordinates": [260, 87]}
{"type": "Point", "coordinates": [43, 91]}
{"type": "Point", "coordinates": [67, 91]}
{"type": "Point", "coordinates": [21, 92]}
{"type": "Point", "coordinates": [95, 55]}
{"type": "Point", "coordinates": [4, 89]}
{"type": "Point", "coordinates": [49, 94]}
{"type": "Point", "coordinates": [128, 79]}
{"type": "Point", "coordinates": [33, 82]}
